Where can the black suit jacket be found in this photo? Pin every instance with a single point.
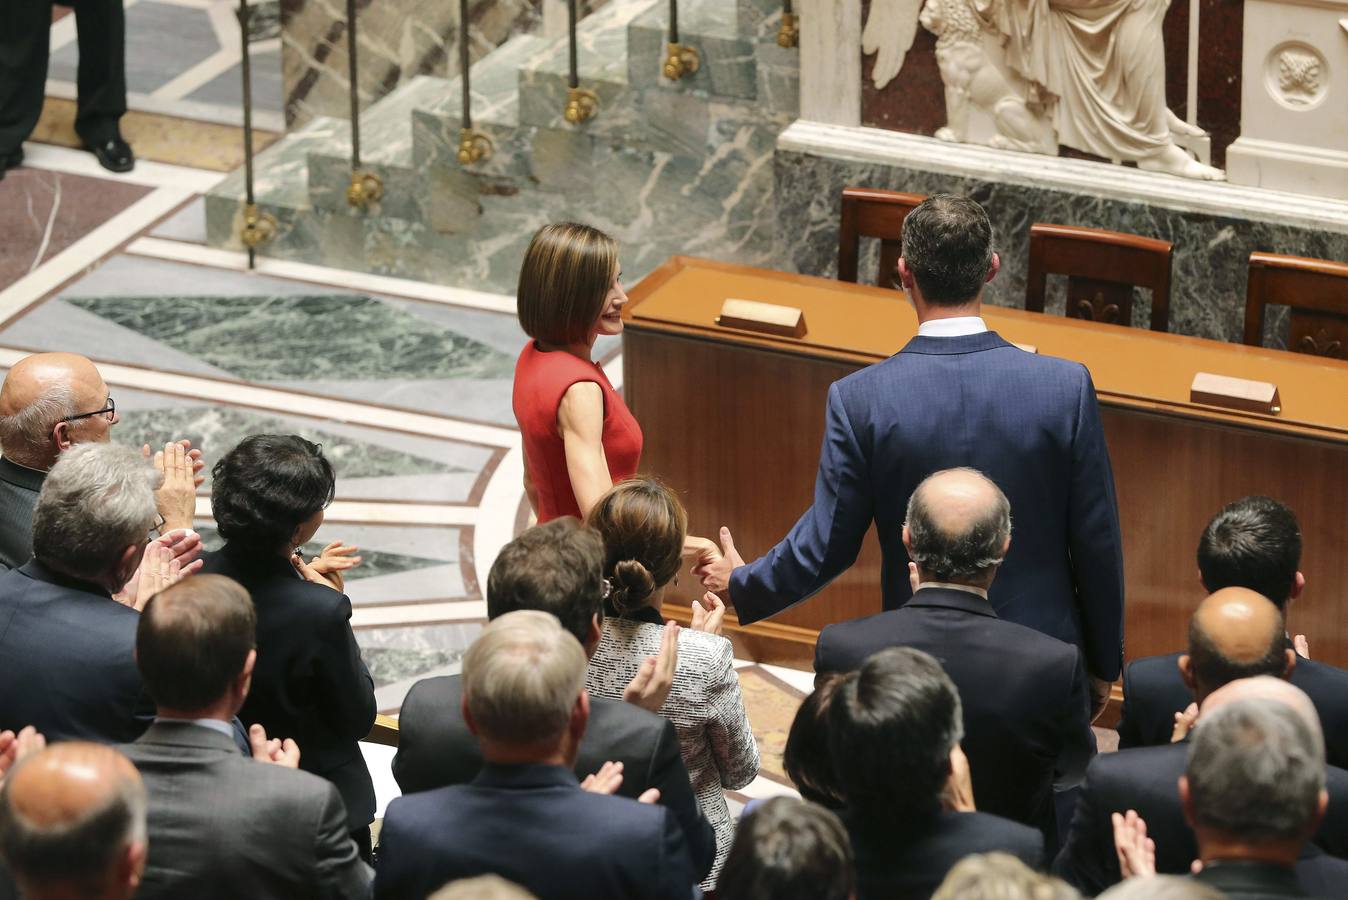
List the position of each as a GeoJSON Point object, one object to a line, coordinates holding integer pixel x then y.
{"type": "Point", "coordinates": [1025, 698]}
{"type": "Point", "coordinates": [911, 865]}
{"type": "Point", "coordinates": [1253, 881]}
{"type": "Point", "coordinates": [1153, 692]}
{"type": "Point", "coordinates": [533, 825]}
{"type": "Point", "coordinates": [310, 682]}
{"type": "Point", "coordinates": [436, 749]}
{"type": "Point", "coordinates": [1146, 779]}
{"type": "Point", "coordinates": [19, 488]}
{"type": "Point", "coordinates": [223, 826]}
{"type": "Point", "coordinates": [67, 658]}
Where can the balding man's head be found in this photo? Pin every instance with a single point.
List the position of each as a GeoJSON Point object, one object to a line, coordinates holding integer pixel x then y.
{"type": "Point", "coordinates": [1234, 633]}
{"type": "Point", "coordinates": [1267, 687]}
{"type": "Point", "coordinates": [958, 527]}
{"type": "Point", "coordinates": [72, 822]}
{"type": "Point", "coordinates": [39, 396]}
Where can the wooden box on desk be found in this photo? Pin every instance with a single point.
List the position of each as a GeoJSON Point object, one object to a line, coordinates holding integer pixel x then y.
{"type": "Point", "coordinates": [734, 421]}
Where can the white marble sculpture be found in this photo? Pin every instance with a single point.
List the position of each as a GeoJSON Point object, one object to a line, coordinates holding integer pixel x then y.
{"type": "Point", "coordinates": [1092, 69]}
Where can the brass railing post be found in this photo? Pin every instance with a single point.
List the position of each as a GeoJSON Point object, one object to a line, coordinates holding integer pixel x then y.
{"type": "Point", "coordinates": [788, 35]}
{"type": "Point", "coordinates": [258, 227]}
{"type": "Point", "coordinates": [365, 187]}
{"type": "Point", "coordinates": [581, 103]}
{"type": "Point", "coordinates": [473, 145]}
{"type": "Point", "coordinates": [679, 59]}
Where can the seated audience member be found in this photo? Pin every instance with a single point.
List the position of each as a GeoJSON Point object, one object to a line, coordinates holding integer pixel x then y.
{"type": "Point", "coordinates": [788, 849]}
{"type": "Point", "coordinates": [1253, 543]}
{"type": "Point", "coordinates": [310, 683]}
{"type": "Point", "coordinates": [72, 824]}
{"type": "Point", "coordinates": [1144, 778]}
{"type": "Point", "coordinates": [1000, 876]}
{"type": "Point", "coordinates": [643, 526]}
{"type": "Point", "coordinates": [806, 758]}
{"type": "Point", "coordinates": [554, 568]}
{"type": "Point", "coordinates": [894, 736]}
{"type": "Point", "coordinates": [65, 643]}
{"type": "Point", "coordinates": [49, 403]}
{"type": "Point", "coordinates": [1025, 696]}
{"type": "Point", "coordinates": [524, 817]}
{"type": "Point", "coordinates": [220, 824]}
{"type": "Point", "coordinates": [1162, 887]}
{"type": "Point", "coordinates": [1253, 789]}
{"type": "Point", "coordinates": [484, 887]}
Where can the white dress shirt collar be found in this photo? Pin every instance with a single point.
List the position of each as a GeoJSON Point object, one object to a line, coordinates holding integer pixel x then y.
{"type": "Point", "coordinates": [958, 326]}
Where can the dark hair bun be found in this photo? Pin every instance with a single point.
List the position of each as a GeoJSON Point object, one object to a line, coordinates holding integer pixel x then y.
{"type": "Point", "coordinates": [633, 585]}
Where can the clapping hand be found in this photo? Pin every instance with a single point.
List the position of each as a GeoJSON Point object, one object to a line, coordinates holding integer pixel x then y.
{"type": "Point", "coordinates": [715, 573]}
{"type": "Point", "coordinates": [14, 747]}
{"type": "Point", "coordinates": [327, 568]}
{"type": "Point", "coordinates": [275, 751]}
{"type": "Point", "coordinates": [649, 688]}
{"type": "Point", "coordinates": [1184, 723]}
{"type": "Point", "coordinates": [167, 560]}
{"type": "Point", "coordinates": [609, 778]}
{"type": "Point", "coordinates": [176, 498]}
{"type": "Point", "coordinates": [1136, 851]}
{"type": "Point", "coordinates": [709, 614]}
{"type": "Point", "coordinates": [1302, 646]}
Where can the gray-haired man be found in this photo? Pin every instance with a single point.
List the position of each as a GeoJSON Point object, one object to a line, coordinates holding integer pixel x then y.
{"type": "Point", "coordinates": [66, 646]}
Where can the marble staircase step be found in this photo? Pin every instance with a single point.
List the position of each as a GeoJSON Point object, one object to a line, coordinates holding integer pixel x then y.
{"type": "Point", "coordinates": [711, 27]}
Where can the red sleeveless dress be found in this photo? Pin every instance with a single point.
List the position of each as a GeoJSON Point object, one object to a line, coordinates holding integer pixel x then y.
{"type": "Point", "coordinates": [541, 379]}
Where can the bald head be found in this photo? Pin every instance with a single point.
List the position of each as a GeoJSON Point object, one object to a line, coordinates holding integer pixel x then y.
{"type": "Point", "coordinates": [72, 820]}
{"type": "Point", "coordinates": [39, 392]}
{"type": "Point", "coordinates": [1266, 687]}
{"type": "Point", "coordinates": [1235, 633]}
{"type": "Point", "coordinates": [958, 527]}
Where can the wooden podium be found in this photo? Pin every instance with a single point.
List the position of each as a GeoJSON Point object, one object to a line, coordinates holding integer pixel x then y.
{"type": "Point", "coordinates": [734, 421]}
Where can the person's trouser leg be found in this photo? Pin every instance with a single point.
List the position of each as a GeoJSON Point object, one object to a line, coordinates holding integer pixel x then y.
{"type": "Point", "coordinates": [25, 41]}
{"type": "Point", "coordinates": [101, 26]}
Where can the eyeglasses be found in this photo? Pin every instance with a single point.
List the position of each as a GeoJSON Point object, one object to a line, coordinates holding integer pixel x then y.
{"type": "Point", "coordinates": [158, 529]}
{"type": "Point", "coordinates": [605, 588]}
{"type": "Point", "coordinates": [110, 411]}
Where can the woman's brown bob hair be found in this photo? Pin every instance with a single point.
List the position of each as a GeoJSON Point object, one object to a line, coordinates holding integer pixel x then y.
{"type": "Point", "coordinates": [567, 272]}
{"type": "Point", "coordinates": [643, 525]}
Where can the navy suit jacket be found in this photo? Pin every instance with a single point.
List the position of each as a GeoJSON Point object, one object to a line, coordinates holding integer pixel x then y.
{"type": "Point", "coordinates": [533, 825]}
{"type": "Point", "coordinates": [1030, 423]}
{"type": "Point", "coordinates": [1146, 779]}
{"type": "Point", "coordinates": [1153, 692]}
{"type": "Point", "coordinates": [67, 658]}
{"type": "Point", "coordinates": [1025, 699]}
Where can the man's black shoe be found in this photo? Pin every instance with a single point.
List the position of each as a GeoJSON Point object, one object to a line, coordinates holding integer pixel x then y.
{"type": "Point", "coordinates": [114, 154]}
{"type": "Point", "coordinates": [10, 160]}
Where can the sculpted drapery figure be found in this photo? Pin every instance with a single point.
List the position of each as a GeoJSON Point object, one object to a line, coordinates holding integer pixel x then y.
{"type": "Point", "coordinates": [1095, 68]}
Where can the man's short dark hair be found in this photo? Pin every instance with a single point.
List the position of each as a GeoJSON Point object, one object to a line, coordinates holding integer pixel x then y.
{"type": "Point", "coordinates": [1253, 543]}
{"type": "Point", "coordinates": [1212, 668]}
{"type": "Point", "coordinates": [892, 725]}
{"type": "Point", "coordinates": [557, 568]}
{"type": "Point", "coordinates": [947, 245]}
{"type": "Point", "coordinates": [788, 849]}
{"type": "Point", "coordinates": [1255, 771]}
{"type": "Point", "coordinates": [806, 758]}
{"type": "Point", "coordinates": [967, 554]}
{"type": "Point", "coordinates": [192, 641]}
{"type": "Point", "coordinates": [268, 486]}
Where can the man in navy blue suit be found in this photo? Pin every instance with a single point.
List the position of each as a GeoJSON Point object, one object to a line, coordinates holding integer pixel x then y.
{"type": "Point", "coordinates": [525, 817]}
{"type": "Point", "coordinates": [959, 395]}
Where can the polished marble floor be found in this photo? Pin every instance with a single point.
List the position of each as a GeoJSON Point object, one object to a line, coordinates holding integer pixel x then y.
{"type": "Point", "coordinates": [406, 385]}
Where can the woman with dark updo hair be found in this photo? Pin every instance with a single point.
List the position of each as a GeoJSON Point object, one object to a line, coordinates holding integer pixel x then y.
{"type": "Point", "coordinates": [309, 683]}
{"type": "Point", "coordinates": [643, 526]}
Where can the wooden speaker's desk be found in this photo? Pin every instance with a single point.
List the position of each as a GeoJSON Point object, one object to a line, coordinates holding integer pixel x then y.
{"type": "Point", "coordinates": [734, 421]}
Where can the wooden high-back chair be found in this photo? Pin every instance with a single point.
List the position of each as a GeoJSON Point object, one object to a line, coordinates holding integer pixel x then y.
{"type": "Point", "coordinates": [869, 212]}
{"type": "Point", "coordinates": [1102, 268]}
{"type": "Point", "coordinates": [1315, 290]}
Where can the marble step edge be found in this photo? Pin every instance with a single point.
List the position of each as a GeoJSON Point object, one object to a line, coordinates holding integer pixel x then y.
{"type": "Point", "coordinates": [727, 63]}
{"type": "Point", "coordinates": [281, 172]}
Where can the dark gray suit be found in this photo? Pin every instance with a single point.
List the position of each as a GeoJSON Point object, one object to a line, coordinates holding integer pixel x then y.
{"type": "Point", "coordinates": [223, 826]}
{"type": "Point", "coordinates": [19, 488]}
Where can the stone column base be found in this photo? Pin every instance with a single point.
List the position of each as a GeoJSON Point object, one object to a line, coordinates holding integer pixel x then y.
{"type": "Point", "coordinates": [1288, 167]}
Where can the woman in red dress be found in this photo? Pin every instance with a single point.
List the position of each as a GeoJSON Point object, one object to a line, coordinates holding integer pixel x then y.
{"type": "Point", "coordinates": [579, 436]}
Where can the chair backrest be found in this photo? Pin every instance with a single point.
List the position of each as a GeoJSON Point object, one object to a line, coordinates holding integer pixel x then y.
{"type": "Point", "coordinates": [1102, 268]}
{"type": "Point", "coordinates": [868, 212]}
{"type": "Point", "coordinates": [1316, 290]}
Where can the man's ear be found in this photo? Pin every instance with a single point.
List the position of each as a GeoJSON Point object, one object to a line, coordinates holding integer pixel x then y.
{"type": "Point", "coordinates": [1291, 664]}
{"type": "Point", "coordinates": [60, 436]}
{"type": "Point", "coordinates": [243, 682]}
{"type": "Point", "coordinates": [994, 268]}
{"type": "Point", "coordinates": [128, 562]}
{"type": "Point", "coordinates": [595, 633]}
{"type": "Point", "coordinates": [1298, 585]}
{"type": "Point", "coordinates": [468, 716]}
{"type": "Point", "coordinates": [1186, 800]}
{"type": "Point", "coordinates": [908, 541]}
{"type": "Point", "coordinates": [580, 714]}
{"type": "Point", "coordinates": [905, 274]}
{"type": "Point", "coordinates": [1186, 670]}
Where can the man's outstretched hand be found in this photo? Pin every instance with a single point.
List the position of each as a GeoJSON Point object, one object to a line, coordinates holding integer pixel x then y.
{"type": "Point", "coordinates": [715, 573]}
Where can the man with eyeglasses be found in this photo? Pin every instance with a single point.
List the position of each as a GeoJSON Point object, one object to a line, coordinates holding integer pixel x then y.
{"type": "Point", "coordinates": [49, 403]}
